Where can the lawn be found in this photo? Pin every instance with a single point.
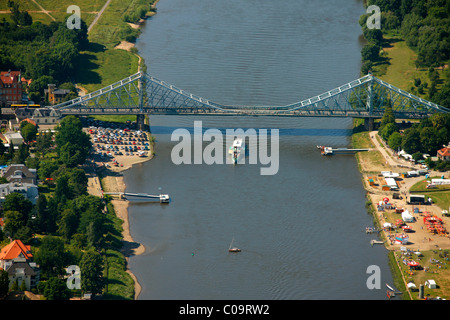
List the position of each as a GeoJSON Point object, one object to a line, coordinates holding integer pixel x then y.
{"type": "Point", "coordinates": [440, 195]}
{"type": "Point", "coordinates": [399, 67]}
{"type": "Point", "coordinates": [437, 264]}
{"type": "Point", "coordinates": [369, 161]}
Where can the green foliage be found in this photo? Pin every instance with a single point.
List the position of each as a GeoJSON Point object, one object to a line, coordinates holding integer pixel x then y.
{"type": "Point", "coordinates": [395, 141]}
{"type": "Point", "coordinates": [51, 257]}
{"type": "Point", "coordinates": [14, 220]}
{"type": "Point", "coordinates": [388, 130]}
{"type": "Point", "coordinates": [55, 289]}
{"type": "Point", "coordinates": [411, 140]}
{"type": "Point", "coordinates": [91, 266]}
{"type": "Point", "coordinates": [28, 132]}
{"type": "Point", "coordinates": [370, 52]}
{"type": "Point", "coordinates": [72, 143]}
{"type": "Point", "coordinates": [44, 53]}
{"type": "Point", "coordinates": [17, 202]}
{"type": "Point", "coordinates": [4, 283]}
{"type": "Point", "coordinates": [20, 18]}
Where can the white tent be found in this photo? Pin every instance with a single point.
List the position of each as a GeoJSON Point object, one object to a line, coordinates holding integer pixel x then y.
{"type": "Point", "coordinates": [430, 284]}
{"type": "Point", "coordinates": [407, 217]}
{"type": "Point", "coordinates": [411, 285]}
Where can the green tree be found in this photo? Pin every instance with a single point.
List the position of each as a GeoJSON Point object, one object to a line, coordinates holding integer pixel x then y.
{"type": "Point", "coordinates": [14, 220]}
{"type": "Point", "coordinates": [72, 155]}
{"type": "Point", "coordinates": [411, 141]}
{"type": "Point", "coordinates": [17, 202]}
{"type": "Point", "coordinates": [72, 143]}
{"type": "Point", "coordinates": [429, 139]}
{"type": "Point", "coordinates": [388, 130]}
{"type": "Point", "coordinates": [21, 155]}
{"type": "Point", "coordinates": [28, 132]}
{"type": "Point", "coordinates": [4, 284]}
{"type": "Point", "coordinates": [24, 233]}
{"type": "Point", "coordinates": [46, 168]}
{"type": "Point", "coordinates": [68, 224]}
{"type": "Point", "coordinates": [370, 52]}
{"type": "Point", "coordinates": [395, 141]}
{"type": "Point", "coordinates": [91, 267]}
{"type": "Point", "coordinates": [388, 117]}
{"type": "Point", "coordinates": [440, 120]}
{"type": "Point", "coordinates": [43, 142]}
{"type": "Point", "coordinates": [51, 257]}
{"type": "Point", "coordinates": [56, 289]}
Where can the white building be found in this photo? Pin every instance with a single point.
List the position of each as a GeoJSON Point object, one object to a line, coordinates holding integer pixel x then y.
{"type": "Point", "coordinates": [28, 190]}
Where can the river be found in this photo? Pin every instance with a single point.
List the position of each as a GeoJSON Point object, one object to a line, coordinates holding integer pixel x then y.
{"type": "Point", "coordinates": [301, 230]}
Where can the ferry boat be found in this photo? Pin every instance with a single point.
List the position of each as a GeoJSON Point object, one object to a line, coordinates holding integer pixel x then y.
{"type": "Point", "coordinates": [237, 150]}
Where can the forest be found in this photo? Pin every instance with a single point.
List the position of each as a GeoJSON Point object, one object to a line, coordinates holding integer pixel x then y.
{"type": "Point", "coordinates": [44, 53]}
{"type": "Point", "coordinates": [424, 26]}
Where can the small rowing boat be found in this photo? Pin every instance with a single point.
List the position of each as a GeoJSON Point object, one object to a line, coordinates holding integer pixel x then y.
{"type": "Point", "coordinates": [233, 249]}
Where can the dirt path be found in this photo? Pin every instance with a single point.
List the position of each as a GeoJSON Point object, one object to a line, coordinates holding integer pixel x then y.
{"type": "Point", "coordinates": [43, 10]}
{"type": "Point", "coordinates": [98, 15]}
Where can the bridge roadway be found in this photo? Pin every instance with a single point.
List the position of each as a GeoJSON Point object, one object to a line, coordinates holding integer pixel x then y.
{"type": "Point", "coordinates": [141, 94]}
{"type": "Point", "coordinates": [238, 112]}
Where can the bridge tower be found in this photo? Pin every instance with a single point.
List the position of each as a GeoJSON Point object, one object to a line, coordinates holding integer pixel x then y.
{"type": "Point", "coordinates": [368, 121]}
{"type": "Point", "coordinates": [140, 118]}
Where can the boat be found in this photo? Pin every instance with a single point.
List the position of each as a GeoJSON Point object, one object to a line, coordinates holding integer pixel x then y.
{"type": "Point", "coordinates": [391, 292]}
{"type": "Point", "coordinates": [371, 229]}
{"type": "Point", "coordinates": [390, 288]}
{"type": "Point", "coordinates": [325, 151]}
{"type": "Point", "coordinates": [237, 150]}
{"type": "Point", "coordinates": [233, 249]}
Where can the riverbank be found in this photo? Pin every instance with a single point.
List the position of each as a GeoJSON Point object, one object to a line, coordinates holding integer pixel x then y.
{"type": "Point", "coordinates": [422, 242]}
{"type": "Point", "coordinates": [107, 176]}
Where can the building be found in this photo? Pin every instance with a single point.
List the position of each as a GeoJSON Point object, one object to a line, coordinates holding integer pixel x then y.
{"type": "Point", "coordinates": [14, 138]}
{"type": "Point", "coordinates": [55, 95]}
{"type": "Point", "coordinates": [444, 154]}
{"type": "Point", "coordinates": [17, 260]}
{"type": "Point", "coordinates": [45, 116]}
{"type": "Point", "coordinates": [19, 173]}
{"type": "Point", "coordinates": [28, 190]}
{"type": "Point", "coordinates": [11, 88]}
{"type": "Point", "coordinates": [23, 113]}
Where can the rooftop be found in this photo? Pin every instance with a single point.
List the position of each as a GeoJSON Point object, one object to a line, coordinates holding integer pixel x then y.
{"type": "Point", "coordinates": [14, 250]}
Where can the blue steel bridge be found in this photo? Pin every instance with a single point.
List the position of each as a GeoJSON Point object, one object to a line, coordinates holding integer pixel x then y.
{"type": "Point", "coordinates": [141, 94]}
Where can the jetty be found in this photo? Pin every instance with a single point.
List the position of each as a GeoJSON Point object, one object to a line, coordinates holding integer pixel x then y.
{"type": "Point", "coordinates": [163, 198]}
{"type": "Point", "coordinates": [330, 150]}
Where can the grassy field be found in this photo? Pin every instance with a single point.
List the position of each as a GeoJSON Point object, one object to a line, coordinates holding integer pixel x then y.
{"type": "Point", "coordinates": [56, 10]}
{"type": "Point", "coordinates": [361, 140]}
{"type": "Point", "coordinates": [440, 195]}
{"type": "Point", "coordinates": [398, 66]}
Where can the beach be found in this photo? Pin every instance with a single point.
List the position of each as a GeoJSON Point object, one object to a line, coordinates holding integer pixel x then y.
{"type": "Point", "coordinates": [105, 176]}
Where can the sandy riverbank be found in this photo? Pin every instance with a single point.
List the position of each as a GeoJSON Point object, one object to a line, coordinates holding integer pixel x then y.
{"type": "Point", "coordinates": [113, 181]}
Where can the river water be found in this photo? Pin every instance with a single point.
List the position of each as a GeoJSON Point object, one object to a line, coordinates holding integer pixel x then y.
{"type": "Point", "coordinates": [301, 230]}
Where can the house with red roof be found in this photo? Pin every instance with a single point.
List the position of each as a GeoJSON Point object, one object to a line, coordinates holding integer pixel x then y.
{"type": "Point", "coordinates": [16, 259]}
{"type": "Point", "coordinates": [444, 154]}
{"type": "Point", "coordinates": [11, 87]}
